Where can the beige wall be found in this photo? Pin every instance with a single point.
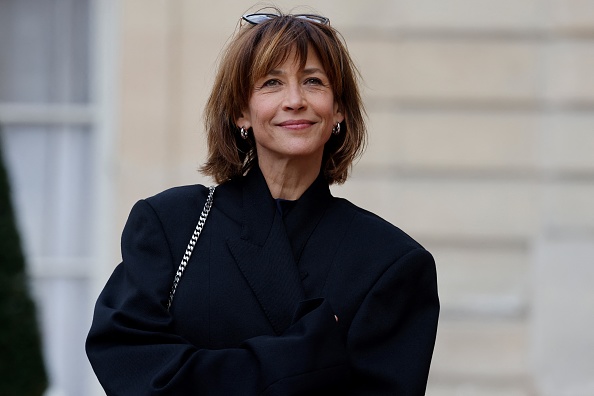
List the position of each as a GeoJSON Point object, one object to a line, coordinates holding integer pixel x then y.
{"type": "Point", "coordinates": [481, 116]}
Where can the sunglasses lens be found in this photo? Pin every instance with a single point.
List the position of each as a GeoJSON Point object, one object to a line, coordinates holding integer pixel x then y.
{"type": "Point", "coordinates": [313, 18]}
{"type": "Point", "coordinates": [256, 19]}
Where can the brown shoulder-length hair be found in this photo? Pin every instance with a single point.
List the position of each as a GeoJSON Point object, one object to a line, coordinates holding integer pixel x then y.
{"type": "Point", "coordinates": [250, 55]}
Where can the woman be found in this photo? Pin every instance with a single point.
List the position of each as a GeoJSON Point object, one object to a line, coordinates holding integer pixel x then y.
{"type": "Point", "coordinates": [289, 291]}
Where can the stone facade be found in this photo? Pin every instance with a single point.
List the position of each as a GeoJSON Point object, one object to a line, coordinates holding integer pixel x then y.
{"type": "Point", "coordinates": [481, 119]}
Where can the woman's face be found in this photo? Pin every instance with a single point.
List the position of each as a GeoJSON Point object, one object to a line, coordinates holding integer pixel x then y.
{"type": "Point", "coordinates": [292, 111]}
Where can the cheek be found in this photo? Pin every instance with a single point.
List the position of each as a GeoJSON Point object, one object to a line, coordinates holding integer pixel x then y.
{"type": "Point", "coordinates": [260, 116]}
{"type": "Point", "coordinates": [263, 106]}
{"type": "Point", "coordinates": [327, 106]}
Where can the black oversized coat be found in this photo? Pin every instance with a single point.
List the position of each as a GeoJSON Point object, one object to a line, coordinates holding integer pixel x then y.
{"type": "Point", "coordinates": [254, 311]}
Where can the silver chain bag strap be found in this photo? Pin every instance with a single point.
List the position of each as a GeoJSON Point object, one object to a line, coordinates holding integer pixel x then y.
{"type": "Point", "coordinates": [191, 244]}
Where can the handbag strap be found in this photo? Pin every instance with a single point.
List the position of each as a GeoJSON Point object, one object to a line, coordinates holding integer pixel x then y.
{"type": "Point", "coordinates": [191, 244]}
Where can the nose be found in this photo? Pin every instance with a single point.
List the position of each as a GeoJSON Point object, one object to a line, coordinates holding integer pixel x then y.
{"type": "Point", "coordinates": [294, 97]}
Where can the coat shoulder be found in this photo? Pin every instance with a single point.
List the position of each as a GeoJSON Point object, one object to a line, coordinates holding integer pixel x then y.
{"type": "Point", "coordinates": [178, 195]}
{"type": "Point", "coordinates": [176, 199]}
{"type": "Point", "coordinates": [368, 226]}
{"type": "Point", "coordinates": [176, 209]}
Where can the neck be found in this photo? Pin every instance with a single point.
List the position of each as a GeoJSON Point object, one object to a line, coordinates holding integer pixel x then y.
{"type": "Point", "coordinates": [288, 179]}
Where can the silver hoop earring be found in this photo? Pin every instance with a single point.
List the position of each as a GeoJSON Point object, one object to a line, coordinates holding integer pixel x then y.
{"type": "Point", "coordinates": [336, 129]}
{"type": "Point", "coordinates": [243, 132]}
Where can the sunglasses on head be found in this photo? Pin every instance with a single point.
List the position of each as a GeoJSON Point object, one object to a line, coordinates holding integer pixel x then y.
{"type": "Point", "coordinates": [258, 18]}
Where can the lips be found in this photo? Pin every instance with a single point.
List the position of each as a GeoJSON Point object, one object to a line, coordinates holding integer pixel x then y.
{"type": "Point", "coordinates": [296, 124]}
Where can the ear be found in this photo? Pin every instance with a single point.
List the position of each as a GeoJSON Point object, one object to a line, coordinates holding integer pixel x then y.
{"type": "Point", "coordinates": [338, 116]}
{"type": "Point", "coordinates": [243, 121]}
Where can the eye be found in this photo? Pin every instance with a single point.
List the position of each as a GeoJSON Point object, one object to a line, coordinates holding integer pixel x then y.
{"type": "Point", "coordinates": [271, 83]}
{"type": "Point", "coordinates": [314, 81]}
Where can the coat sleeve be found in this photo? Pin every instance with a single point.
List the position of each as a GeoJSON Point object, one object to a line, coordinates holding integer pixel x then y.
{"type": "Point", "coordinates": [392, 336]}
{"type": "Point", "coordinates": [134, 351]}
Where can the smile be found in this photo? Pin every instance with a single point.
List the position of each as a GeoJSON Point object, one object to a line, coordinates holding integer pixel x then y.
{"type": "Point", "coordinates": [296, 124]}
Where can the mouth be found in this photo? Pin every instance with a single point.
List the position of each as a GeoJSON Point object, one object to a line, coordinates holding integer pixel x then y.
{"type": "Point", "coordinates": [296, 124]}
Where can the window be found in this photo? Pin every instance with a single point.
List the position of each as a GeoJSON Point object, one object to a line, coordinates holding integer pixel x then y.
{"type": "Point", "coordinates": [48, 126]}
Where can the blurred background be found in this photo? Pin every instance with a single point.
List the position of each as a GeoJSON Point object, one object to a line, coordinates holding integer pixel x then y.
{"type": "Point", "coordinates": [481, 121]}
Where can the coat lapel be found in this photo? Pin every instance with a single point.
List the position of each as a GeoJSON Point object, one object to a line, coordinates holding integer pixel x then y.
{"type": "Point", "coordinates": [264, 256]}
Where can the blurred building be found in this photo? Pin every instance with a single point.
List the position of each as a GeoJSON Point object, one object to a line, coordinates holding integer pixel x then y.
{"type": "Point", "coordinates": [481, 116]}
